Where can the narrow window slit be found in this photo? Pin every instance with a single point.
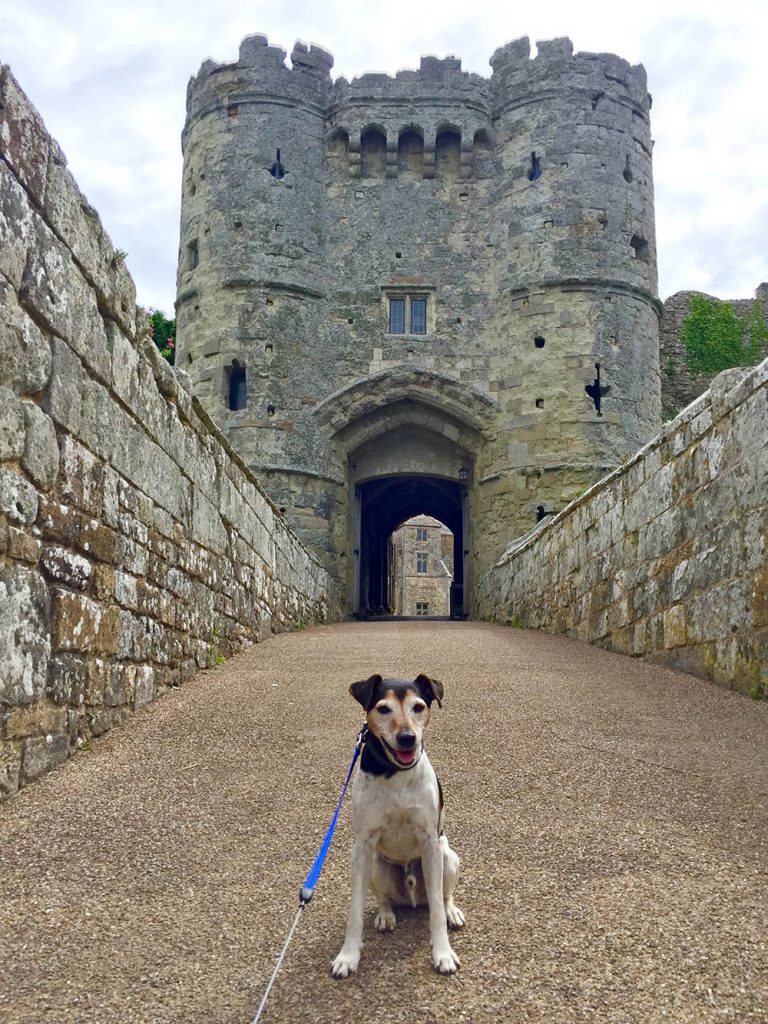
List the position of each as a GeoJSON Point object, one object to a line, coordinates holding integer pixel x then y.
{"type": "Point", "coordinates": [237, 397]}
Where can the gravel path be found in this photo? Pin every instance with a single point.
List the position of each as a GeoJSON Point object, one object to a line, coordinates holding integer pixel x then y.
{"type": "Point", "coordinates": [610, 815]}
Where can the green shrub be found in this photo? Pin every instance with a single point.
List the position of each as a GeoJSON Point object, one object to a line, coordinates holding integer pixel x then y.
{"type": "Point", "coordinates": [163, 333]}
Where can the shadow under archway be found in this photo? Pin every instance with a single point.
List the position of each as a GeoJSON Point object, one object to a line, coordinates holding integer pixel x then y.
{"type": "Point", "coordinates": [386, 502]}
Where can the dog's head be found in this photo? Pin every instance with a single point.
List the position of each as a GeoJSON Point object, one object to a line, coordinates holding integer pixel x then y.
{"type": "Point", "coordinates": [397, 713]}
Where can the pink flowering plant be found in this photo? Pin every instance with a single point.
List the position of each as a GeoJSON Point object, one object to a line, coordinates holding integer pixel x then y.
{"type": "Point", "coordinates": [163, 332]}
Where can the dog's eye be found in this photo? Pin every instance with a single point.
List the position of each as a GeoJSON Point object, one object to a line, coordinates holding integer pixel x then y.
{"type": "Point", "coordinates": [383, 709]}
{"type": "Point", "coordinates": [418, 708]}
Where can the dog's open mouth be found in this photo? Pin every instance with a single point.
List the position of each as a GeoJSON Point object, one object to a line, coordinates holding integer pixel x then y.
{"type": "Point", "coordinates": [404, 757]}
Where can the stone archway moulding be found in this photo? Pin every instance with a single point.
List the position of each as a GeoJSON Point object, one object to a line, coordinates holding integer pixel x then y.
{"type": "Point", "coordinates": [452, 400]}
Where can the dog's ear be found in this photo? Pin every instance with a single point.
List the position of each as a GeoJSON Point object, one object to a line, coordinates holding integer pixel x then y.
{"type": "Point", "coordinates": [363, 691]}
{"type": "Point", "coordinates": [430, 689]}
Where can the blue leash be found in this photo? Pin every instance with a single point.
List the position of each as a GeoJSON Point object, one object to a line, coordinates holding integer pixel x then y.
{"type": "Point", "coordinates": [310, 882]}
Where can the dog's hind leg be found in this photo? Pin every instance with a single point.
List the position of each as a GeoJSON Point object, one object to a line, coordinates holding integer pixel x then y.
{"type": "Point", "coordinates": [453, 915]}
{"type": "Point", "coordinates": [386, 890]}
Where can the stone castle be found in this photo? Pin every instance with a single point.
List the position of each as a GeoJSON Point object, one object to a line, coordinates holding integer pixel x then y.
{"type": "Point", "coordinates": [433, 293]}
{"type": "Point", "coordinates": [403, 312]}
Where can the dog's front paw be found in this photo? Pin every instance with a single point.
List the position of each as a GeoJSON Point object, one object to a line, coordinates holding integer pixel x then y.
{"type": "Point", "coordinates": [454, 916]}
{"type": "Point", "coordinates": [445, 960]}
{"type": "Point", "coordinates": [345, 963]}
{"type": "Point", "coordinates": [385, 921]}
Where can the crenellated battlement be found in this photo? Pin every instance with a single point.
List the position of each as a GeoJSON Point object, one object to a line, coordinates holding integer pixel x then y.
{"type": "Point", "coordinates": [261, 72]}
{"type": "Point", "coordinates": [519, 77]}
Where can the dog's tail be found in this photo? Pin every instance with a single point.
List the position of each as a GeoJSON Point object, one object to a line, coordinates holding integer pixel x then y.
{"type": "Point", "coordinates": [411, 884]}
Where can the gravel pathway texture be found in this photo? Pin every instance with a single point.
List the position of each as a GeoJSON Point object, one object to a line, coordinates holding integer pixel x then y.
{"type": "Point", "coordinates": [611, 817]}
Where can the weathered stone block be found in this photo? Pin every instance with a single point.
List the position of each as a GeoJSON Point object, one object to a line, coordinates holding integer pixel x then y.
{"type": "Point", "coordinates": [59, 523]}
{"type": "Point", "coordinates": [121, 685]}
{"type": "Point", "coordinates": [18, 498]}
{"type": "Point", "coordinates": [136, 639]}
{"type": "Point", "coordinates": [41, 753]}
{"type": "Point", "coordinates": [38, 720]}
{"type": "Point", "coordinates": [81, 482]}
{"type": "Point", "coordinates": [24, 635]}
{"type": "Point", "coordinates": [45, 283]}
{"type": "Point", "coordinates": [80, 624]}
{"type": "Point", "coordinates": [144, 687]}
{"type": "Point", "coordinates": [15, 227]}
{"type": "Point", "coordinates": [63, 398]}
{"type": "Point", "coordinates": [25, 365]}
{"type": "Point", "coordinates": [64, 566]}
{"type": "Point", "coordinates": [97, 681]}
{"type": "Point", "coordinates": [24, 141]}
{"type": "Point", "coordinates": [22, 545]}
{"type": "Point", "coordinates": [125, 590]}
{"type": "Point", "coordinates": [67, 679]}
{"type": "Point", "coordinates": [125, 368]}
{"type": "Point", "coordinates": [41, 448]}
{"type": "Point", "coordinates": [103, 582]}
{"type": "Point", "coordinates": [10, 768]}
{"type": "Point", "coordinates": [207, 527]}
{"type": "Point", "coordinates": [674, 627]}
{"type": "Point", "coordinates": [100, 542]}
{"type": "Point", "coordinates": [12, 431]}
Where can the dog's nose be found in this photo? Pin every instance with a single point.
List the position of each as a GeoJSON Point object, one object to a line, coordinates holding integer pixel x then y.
{"type": "Point", "coordinates": [406, 740]}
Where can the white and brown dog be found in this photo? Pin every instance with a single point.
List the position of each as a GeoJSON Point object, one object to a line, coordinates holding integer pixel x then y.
{"type": "Point", "coordinates": [399, 850]}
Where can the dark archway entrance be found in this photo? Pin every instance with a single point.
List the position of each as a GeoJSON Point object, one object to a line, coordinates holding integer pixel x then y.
{"type": "Point", "coordinates": [383, 504]}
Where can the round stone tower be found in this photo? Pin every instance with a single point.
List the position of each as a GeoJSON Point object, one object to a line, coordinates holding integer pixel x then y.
{"type": "Point", "coordinates": [433, 293]}
{"type": "Point", "coordinates": [252, 273]}
{"type": "Point", "coordinates": [575, 249]}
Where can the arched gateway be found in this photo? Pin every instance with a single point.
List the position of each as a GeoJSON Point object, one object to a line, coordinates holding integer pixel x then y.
{"type": "Point", "coordinates": [406, 441]}
{"type": "Point", "coordinates": [433, 293]}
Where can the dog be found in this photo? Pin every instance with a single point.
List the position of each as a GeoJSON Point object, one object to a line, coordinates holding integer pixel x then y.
{"type": "Point", "coordinates": [399, 850]}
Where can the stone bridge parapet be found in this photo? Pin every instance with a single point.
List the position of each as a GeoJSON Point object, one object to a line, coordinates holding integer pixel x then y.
{"type": "Point", "coordinates": [666, 556]}
{"type": "Point", "coordinates": [135, 546]}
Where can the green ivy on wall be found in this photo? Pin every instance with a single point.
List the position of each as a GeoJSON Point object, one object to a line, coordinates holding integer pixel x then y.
{"type": "Point", "coordinates": [716, 339]}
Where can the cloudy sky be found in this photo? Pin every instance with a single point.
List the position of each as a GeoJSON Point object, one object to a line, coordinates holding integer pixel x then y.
{"type": "Point", "coordinates": [110, 79]}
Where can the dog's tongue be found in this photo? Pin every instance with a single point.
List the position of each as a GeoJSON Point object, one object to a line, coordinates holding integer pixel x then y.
{"type": "Point", "coordinates": [405, 756]}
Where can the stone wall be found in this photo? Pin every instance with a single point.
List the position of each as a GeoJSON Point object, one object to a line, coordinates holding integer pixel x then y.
{"type": "Point", "coordinates": [666, 557]}
{"type": "Point", "coordinates": [135, 546]}
{"type": "Point", "coordinates": [680, 383]}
